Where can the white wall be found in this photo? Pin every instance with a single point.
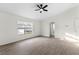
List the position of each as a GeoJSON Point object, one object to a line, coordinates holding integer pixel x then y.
{"type": "Point", "coordinates": [8, 28]}
{"type": "Point", "coordinates": [64, 23]}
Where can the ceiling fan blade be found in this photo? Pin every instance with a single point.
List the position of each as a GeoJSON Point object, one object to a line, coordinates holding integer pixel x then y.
{"type": "Point", "coordinates": [37, 9]}
{"type": "Point", "coordinates": [41, 5]}
{"type": "Point", "coordinates": [45, 6]}
{"type": "Point", "coordinates": [38, 6]}
{"type": "Point", "coordinates": [45, 10]}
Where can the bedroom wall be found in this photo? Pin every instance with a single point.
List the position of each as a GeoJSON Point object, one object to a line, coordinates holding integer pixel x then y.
{"type": "Point", "coordinates": [8, 28]}
{"type": "Point", "coordinates": [66, 22]}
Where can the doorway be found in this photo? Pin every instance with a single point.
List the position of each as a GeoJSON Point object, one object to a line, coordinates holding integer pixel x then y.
{"type": "Point", "coordinates": [52, 29]}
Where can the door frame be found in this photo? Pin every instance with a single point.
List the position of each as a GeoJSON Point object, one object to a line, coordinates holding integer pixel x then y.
{"type": "Point", "coordinates": [51, 23]}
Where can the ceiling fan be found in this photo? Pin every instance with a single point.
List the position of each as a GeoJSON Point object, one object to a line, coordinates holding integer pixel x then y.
{"type": "Point", "coordinates": [41, 7]}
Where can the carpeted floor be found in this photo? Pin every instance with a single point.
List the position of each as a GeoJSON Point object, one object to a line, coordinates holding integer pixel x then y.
{"type": "Point", "coordinates": [41, 46]}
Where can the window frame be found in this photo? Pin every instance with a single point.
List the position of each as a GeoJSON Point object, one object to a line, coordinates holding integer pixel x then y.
{"type": "Point", "coordinates": [27, 26]}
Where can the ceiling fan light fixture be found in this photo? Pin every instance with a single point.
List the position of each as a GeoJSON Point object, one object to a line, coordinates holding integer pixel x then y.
{"type": "Point", "coordinates": [41, 7]}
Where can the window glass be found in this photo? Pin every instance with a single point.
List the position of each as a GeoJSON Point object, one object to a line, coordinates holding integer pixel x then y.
{"type": "Point", "coordinates": [25, 27]}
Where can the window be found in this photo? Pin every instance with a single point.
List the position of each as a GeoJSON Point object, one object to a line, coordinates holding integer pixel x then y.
{"type": "Point", "coordinates": [25, 27]}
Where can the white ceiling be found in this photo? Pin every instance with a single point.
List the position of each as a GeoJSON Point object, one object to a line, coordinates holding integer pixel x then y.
{"type": "Point", "coordinates": [27, 9]}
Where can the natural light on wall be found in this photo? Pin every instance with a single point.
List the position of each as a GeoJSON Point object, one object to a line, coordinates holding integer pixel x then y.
{"type": "Point", "coordinates": [24, 27]}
